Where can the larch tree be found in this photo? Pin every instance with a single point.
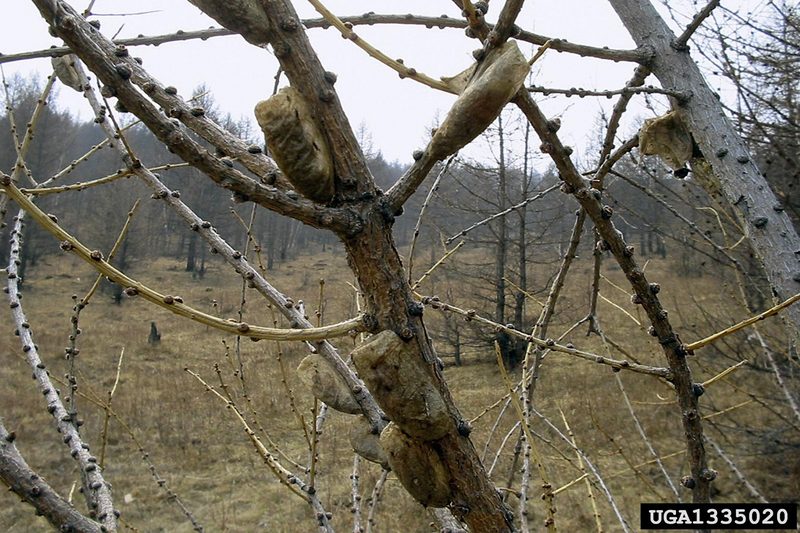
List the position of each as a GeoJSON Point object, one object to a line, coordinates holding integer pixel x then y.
{"type": "Point", "coordinates": [315, 172]}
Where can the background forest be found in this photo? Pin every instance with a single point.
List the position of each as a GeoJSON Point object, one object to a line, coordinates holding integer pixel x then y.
{"type": "Point", "coordinates": [483, 241]}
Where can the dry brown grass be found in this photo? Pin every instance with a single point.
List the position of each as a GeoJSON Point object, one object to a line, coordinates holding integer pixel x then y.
{"type": "Point", "coordinates": [205, 457]}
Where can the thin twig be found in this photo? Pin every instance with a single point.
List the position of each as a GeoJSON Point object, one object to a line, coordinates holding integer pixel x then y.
{"type": "Point", "coordinates": [595, 472]}
{"type": "Point", "coordinates": [530, 444]}
{"type": "Point", "coordinates": [107, 410]}
{"type": "Point", "coordinates": [724, 373]}
{"type": "Point", "coordinates": [682, 40]}
{"type": "Point", "coordinates": [547, 343]}
{"type": "Point", "coordinates": [173, 303]}
{"type": "Point", "coordinates": [436, 265]}
{"type": "Point", "coordinates": [738, 473]}
{"type": "Point", "coordinates": [503, 213]}
{"type": "Point", "coordinates": [743, 324]}
{"type": "Point", "coordinates": [647, 441]}
{"type": "Point", "coordinates": [355, 494]}
{"type": "Point", "coordinates": [415, 235]}
{"type": "Point", "coordinates": [582, 93]}
{"type": "Point", "coordinates": [375, 498]}
{"type": "Point", "coordinates": [81, 186]}
{"type": "Point", "coordinates": [398, 66]}
{"type": "Point", "coordinates": [585, 476]}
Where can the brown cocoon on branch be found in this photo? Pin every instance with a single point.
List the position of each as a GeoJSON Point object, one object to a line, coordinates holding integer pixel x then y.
{"type": "Point", "coordinates": [64, 67]}
{"type": "Point", "coordinates": [668, 138]}
{"type": "Point", "coordinates": [485, 89]}
{"type": "Point", "coordinates": [366, 443]}
{"type": "Point", "coordinates": [418, 467]}
{"type": "Point", "coordinates": [296, 144]}
{"type": "Point", "coordinates": [326, 385]}
{"type": "Point", "coordinates": [402, 386]}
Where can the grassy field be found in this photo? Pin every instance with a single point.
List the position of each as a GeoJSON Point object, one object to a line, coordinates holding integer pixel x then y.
{"type": "Point", "coordinates": [203, 456]}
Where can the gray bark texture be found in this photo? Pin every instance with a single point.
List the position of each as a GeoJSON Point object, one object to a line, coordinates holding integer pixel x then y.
{"type": "Point", "coordinates": [767, 227]}
{"type": "Point", "coordinates": [26, 484]}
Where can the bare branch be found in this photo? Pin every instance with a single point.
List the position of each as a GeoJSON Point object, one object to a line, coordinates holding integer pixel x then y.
{"type": "Point", "coordinates": [171, 303]}
{"type": "Point", "coordinates": [645, 292]}
{"type": "Point", "coordinates": [398, 66]}
{"type": "Point", "coordinates": [118, 73]}
{"type": "Point", "coordinates": [743, 324]}
{"type": "Point", "coordinates": [415, 235]}
{"type": "Point", "coordinates": [503, 213]}
{"type": "Point", "coordinates": [31, 488]}
{"type": "Point", "coordinates": [625, 91]}
{"type": "Point", "coordinates": [683, 39]}
{"type": "Point", "coordinates": [549, 344]}
{"type": "Point", "coordinates": [96, 490]}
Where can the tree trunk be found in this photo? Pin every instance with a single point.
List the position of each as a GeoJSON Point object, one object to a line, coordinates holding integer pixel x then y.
{"type": "Point", "coordinates": [191, 254]}
{"type": "Point", "coordinates": [388, 299]}
{"type": "Point", "coordinates": [770, 231]}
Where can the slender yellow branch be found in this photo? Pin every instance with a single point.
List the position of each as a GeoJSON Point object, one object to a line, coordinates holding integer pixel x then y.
{"type": "Point", "coordinates": [114, 249]}
{"type": "Point", "coordinates": [436, 265]}
{"type": "Point", "coordinates": [540, 52]}
{"type": "Point", "coordinates": [284, 476]}
{"type": "Point", "coordinates": [172, 303]}
{"type": "Point", "coordinates": [347, 32]}
{"type": "Point", "coordinates": [620, 308]}
{"type": "Point", "coordinates": [724, 373]}
{"type": "Point", "coordinates": [728, 410]}
{"type": "Point", "coordinates": [536, 456]}
{"type": "Point", "coordinates": [582, 467]}
{"type": "Point", "coordinates": [570, 484]}
{"type": "Point", "coordinates": [549, 344]}
{"type": "Point", "coordinates": [524, 293]}
{"type": "Point", "coordinates": [744, 323]}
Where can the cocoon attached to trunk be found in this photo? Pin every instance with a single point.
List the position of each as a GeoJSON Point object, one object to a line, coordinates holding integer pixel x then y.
{"type": "Point", "coordinates": [326, 385]}
{"type": "Point", "coordinates": [418, 467]}
{"type": "Point", "coordinates": [366, 443]}
{"type": "Point", "coordinates": [296, 144]}
{"type": "Point", "coordinates": [402, 386]}
{"type": "Point", "coordinates": [668, 138]}
{"type": "Point", "coordinates": [485, 88]}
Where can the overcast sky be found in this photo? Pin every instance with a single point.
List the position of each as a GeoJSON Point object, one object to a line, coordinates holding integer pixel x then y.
{"type": "Point", "coordinates": [397, 113]}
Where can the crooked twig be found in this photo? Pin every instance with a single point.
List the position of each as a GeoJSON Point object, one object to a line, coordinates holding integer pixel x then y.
{"type": "Point", "coordinates": [81, 186]}
{"type": "Point", "coordinates": [346, 29]}
{"type": "Point", "coordinates": [415, 235]}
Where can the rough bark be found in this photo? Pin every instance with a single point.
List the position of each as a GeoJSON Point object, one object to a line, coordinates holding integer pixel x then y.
{"type": "Point", "coordinates": [25, 483]}
{"type": "Point", "coordinates": [767, 227]}
{"type": "Point", "coordinates": [645, 295]}
{"type": "Point", "coordinates": [374, 259]}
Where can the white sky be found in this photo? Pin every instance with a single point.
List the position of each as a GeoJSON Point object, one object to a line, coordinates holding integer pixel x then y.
{"type": "Point", "coordinates": [396, 112]}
